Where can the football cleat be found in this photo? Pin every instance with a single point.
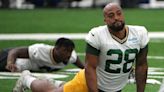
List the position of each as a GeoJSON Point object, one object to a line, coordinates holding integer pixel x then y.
{"type": "Point", "coordinates": [19, 87]}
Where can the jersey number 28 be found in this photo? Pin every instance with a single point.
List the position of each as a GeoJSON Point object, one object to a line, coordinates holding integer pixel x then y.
{"type": "Point", "coordinates": [124, 68]}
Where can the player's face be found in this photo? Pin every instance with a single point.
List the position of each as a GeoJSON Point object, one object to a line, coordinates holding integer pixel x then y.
{"type": "Point", "coordinates": [114, 18]}
{"type": "Point", "coordinates": [63, 54]}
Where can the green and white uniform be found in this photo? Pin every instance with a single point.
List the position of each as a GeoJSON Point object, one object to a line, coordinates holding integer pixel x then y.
{"type": "Point", "coordinates": [40, 56]}
{"type": "Point", "coordinates": [116, 56]}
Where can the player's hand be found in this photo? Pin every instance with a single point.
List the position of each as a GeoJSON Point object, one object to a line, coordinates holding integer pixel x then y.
{"type": "Point", "coordinates": [11, 67]}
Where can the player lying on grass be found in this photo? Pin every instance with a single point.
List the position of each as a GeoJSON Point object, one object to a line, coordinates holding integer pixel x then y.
{"type": "Point", "coordinates": [38, 57]}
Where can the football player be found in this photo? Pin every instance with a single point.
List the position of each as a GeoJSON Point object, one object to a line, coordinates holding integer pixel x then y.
{"type": "Point", "coordinates": [112, 50]}
{"type": "Point", "coordinates": [38, 57]}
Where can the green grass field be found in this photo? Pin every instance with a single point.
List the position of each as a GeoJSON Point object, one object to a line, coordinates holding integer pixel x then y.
{"type": "Point", "coordinates": [76, 21]}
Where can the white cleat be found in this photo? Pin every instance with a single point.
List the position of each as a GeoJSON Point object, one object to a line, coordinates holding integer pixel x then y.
{"type": "Point", "coordinates": [19, 87]}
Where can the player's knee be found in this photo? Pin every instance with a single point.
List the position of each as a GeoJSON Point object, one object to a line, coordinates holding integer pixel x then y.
{"type": "Point", "coordinates": [41, 86]}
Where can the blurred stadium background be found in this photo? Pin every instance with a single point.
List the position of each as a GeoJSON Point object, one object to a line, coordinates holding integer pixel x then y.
{"type": "Point", "coordinates": [77, 17]}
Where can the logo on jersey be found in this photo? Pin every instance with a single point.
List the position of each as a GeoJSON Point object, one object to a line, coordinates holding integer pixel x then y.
{"type": "Point", "coordinates": [133, 40]}
{"type": "Point", "coordinates": [92, 34]}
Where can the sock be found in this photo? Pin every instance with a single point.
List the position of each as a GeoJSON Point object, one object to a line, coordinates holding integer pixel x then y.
{"type": "Point", "coordinates": [28, 80]}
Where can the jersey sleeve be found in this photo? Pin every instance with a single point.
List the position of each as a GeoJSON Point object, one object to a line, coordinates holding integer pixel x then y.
{"type": "Point", "coordinates": [73, 57]}
{"type": "Point", "coordinates": [144, 38]}
{"type": "Point", "coordinates": [92, 39]}
{"type": "Point", "coordinates": [36, 52]}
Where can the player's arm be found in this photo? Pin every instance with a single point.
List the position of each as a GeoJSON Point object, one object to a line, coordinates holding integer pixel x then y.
{"type": "Point", "coordinates": [141, 69]}
{"type": "Point", "coordinates": [13, 54]}
{"type": "Point", "coordinates": [78, 63]}
{"type": "Point", "coordinates": [90, 68]}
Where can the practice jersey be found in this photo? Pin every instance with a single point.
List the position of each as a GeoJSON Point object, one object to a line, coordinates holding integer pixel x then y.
{"type": "Point", "coordinates": [116, 58]}
{"type": "Point", "coordinates": [41, 55]}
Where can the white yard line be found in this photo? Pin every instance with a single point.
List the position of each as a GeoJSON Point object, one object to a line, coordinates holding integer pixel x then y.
{"type": "Point", "coordinates": [54, 36]}
{"type": "Point", "coordinates": [156, 57]}
{"type": "Point", "coordinates": [41, 36]}
{"type": "Point", "coordinates": [152, 73]}
{"type": "Point", "coordinates": [156, 35]}
{"type": "Point", "coordinates": [15, 75]}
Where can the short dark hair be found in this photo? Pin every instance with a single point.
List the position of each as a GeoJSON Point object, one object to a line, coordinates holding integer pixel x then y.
{"type": "Point", "coordinates": [65, 42]}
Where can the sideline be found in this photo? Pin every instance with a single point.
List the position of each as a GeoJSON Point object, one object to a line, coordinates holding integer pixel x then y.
{"type": "Point", "coordinates": [54, 36]}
